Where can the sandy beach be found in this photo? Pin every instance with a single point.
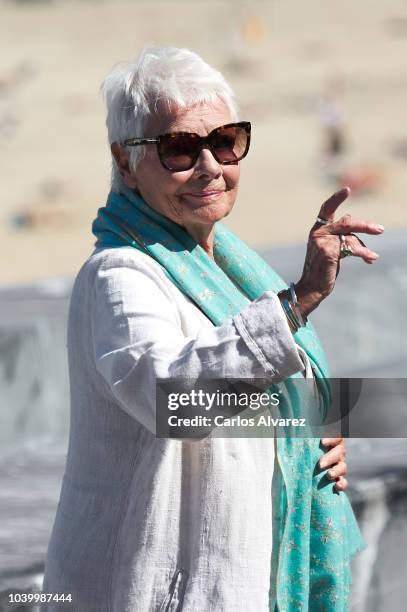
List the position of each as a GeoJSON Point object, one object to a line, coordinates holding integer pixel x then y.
{"type": "Point", "coordinates": [280, 57]}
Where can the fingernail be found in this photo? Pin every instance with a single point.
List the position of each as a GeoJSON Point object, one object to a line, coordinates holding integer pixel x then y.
{"type": "Point", "coordinates": [322, 464]}
{"type": "Point", "coordinates": [332, 473]}
{"type": "Point", "coordinates": [380, 228]}
{"type": "Point", "coordinates": [374, 255]}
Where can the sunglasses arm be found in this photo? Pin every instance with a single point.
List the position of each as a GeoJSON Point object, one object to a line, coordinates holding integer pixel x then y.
{"type": "Point", "coordinates": [133, 142]}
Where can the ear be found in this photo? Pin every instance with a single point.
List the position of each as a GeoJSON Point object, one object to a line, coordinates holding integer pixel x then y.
{"type": "Point", "coordinates": [121, 157]}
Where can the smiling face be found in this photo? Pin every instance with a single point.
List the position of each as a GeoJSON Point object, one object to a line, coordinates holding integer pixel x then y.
{"type": "Point", "coordinates": [194, 198]}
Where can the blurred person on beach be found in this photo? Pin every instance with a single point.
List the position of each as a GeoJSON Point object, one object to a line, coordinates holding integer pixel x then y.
{"type": "Point", "coordinates": [146, 523]}
{"type": "Point", "coordinates": [337, 166]}
{"type": "Point", "coordinates": [332, 117]}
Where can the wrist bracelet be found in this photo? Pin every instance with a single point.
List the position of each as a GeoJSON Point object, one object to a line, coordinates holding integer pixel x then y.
{"type": "Point", "coordinates": [289, 314]}
{"type": "Point", "coordinates": [296, 306]}
{"type": "Point", "coordinates": [289, 302]}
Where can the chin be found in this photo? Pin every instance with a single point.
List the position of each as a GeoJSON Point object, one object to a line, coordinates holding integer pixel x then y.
{"type": "Point", "coordinates": [209, 214]}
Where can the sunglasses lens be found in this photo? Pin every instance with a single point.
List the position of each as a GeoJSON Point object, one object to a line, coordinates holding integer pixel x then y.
{"type": "Point", "coordinates": [229, 144]}
{"type": "Point", "coordinates": [179, 151]}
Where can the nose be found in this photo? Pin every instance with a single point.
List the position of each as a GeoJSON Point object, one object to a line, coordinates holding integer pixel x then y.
{"type": "Point", "coordinates": [206, 165]}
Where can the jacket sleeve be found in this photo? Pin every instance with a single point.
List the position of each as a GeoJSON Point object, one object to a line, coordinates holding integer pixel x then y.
{"type": "Point", "coordinates": [138, 338]}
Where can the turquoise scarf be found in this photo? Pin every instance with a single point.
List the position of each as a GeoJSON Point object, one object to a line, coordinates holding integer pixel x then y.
{"type": "Point", "coordinates": [315, 532]}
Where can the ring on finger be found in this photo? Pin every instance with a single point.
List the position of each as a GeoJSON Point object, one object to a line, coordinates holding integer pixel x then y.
{"type": "Point", "coordinates": [321, 221]}
{"type": "Point", "coordinates": [345, 249]}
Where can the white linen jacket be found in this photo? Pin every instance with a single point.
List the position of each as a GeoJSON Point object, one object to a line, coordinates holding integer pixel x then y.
{"type": "Point", "coordinates": [147, 524]}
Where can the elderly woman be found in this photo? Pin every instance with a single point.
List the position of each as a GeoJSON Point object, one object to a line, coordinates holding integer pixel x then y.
{"type": "Point", "coordinates": [148, 523]}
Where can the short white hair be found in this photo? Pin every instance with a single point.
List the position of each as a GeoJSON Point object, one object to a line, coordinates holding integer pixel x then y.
{"type": "Point", "coordinates": [165, 75]}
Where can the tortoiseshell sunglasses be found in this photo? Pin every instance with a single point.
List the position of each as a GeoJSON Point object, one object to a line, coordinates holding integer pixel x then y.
{"type": "Point", "coordinates": [178, 151]}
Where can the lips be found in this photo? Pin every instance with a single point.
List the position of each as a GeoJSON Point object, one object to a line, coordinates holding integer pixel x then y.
{"type": "Point", "coordinates": [213, 193]}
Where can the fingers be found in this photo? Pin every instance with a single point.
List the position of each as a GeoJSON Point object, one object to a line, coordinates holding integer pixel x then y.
{"type": "Point", "coordinates": [346, 225]}
{"type": "Point", "coordinates": [338, 472]}
{"type": "Point", "coordinates": [328, 208]}
{"type": "Point", "coordinates": [340, 469]}
{"type": "Point", "coordinates": [331, 441]}
{"type": "Point", "coordinates": [363, 252]}
{"type": "Point", "coordinates": [333, 456]}
{"type": "Point", "coordinates": [341, 484]}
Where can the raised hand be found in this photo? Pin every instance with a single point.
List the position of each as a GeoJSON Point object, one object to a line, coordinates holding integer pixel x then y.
{"type": "Point", "coordinates": [323, 257]}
